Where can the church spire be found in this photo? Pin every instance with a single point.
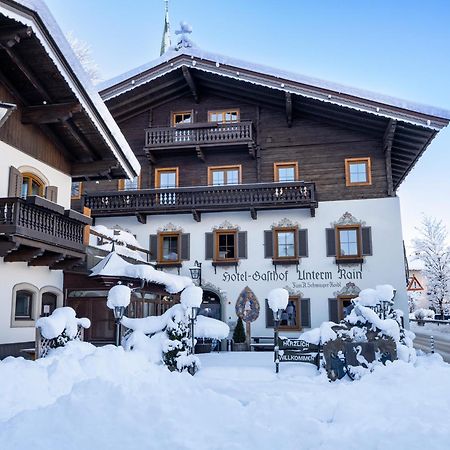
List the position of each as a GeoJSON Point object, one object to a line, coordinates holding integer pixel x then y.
{"type": "Point", "coordinates": [165, 41]}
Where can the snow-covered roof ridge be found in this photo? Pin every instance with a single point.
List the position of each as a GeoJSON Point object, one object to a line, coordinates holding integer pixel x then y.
{"type": "Point", "coordinates": [140, 76]}
{"type": "Point", "coordinates": [36, 14]}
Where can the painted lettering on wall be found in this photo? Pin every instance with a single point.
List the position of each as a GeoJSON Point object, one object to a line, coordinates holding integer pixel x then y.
{"type": "Point", "coordinates": [269, 275]}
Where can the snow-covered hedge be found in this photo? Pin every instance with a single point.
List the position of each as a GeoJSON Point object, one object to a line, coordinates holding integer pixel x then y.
{"type": "Point", "coordinates": [423, 314]}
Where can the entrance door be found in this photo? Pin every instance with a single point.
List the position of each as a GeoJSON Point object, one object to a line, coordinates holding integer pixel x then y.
{"type": "Point", "coordinates": [211, 306]}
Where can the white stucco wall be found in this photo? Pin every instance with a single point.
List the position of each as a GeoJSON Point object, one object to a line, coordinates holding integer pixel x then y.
{"type": "Point", "coordinates": [12, 274]}
{"type": "Point", "coordinates": [11, 156]}
{"type": "Point", "coordinates": [385, 266]}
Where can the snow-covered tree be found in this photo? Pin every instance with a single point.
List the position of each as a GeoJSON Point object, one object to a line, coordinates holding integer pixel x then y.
{"type": "Point", "coordinates": [83, 52]}
{"type": "Point", "coordinates": [432, 248]}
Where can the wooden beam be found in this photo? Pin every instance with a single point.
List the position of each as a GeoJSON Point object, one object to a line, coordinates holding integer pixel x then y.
{"type": "Point", "coordinates": [253, 213]}
{"type": "Point", "coordinates": [67, 263]}
{"type": "Point", "coordinates": [82, 141]}
{"type": "Point", "coordinates": [289, 109]}
{"type": "Point", "coordinates": [196, 215]}
{"type": "Point", "coordinates": [28, 74]}
{"type": "Point", "coordinates": [47, 259]}
{"type": "Point", "coordinates": [150, 156]}
{"type": "Point", "coordinates": [12, 35]}
{"type": "Point", "coordinates": [92, 169]}
{"type": "Point", "coordinates": [190, 82]}
{"type": "Point", "coordinates": [7, 247]}
{"type": "Point", "coordinates": [23, 254]}
{"type": "Point", "coordinates": [142, 218]}
{"type": "Point", "coordinates": [388, 138]}
{"type": "Point", "coordinates": [45, 114]}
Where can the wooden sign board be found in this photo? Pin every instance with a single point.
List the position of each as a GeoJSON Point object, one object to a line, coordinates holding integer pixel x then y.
{"type": "Point", "coordinates": [297, 356]}
{"type": "Point", "coordinates": [296, 344]}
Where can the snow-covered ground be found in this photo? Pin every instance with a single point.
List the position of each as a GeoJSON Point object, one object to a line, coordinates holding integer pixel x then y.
{"type": "Point", "coordinates": [443, 330]}
{"type": "Point", "coordinates": [106, 398]}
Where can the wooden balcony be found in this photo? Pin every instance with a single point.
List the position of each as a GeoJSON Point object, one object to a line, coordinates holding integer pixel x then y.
{"type": "Point", "coordinates": [200, 135]}
{"type": "Point", "coordinates": [41, 233]}
{"type": "Point", "coordinates": [196, 200]}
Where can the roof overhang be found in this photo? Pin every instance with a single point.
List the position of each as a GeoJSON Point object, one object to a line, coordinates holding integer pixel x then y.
{"type": "Point", "coordinates": [94, 119]}
{"type": "Point", "coordinates": [5, 111]}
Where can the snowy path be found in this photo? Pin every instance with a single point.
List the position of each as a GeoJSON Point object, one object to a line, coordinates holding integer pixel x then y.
{"type": "Point", "coordinates": [105, 398]}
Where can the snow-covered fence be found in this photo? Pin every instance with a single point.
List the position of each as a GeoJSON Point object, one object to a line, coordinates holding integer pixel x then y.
{"type": "Point", "coordinates": [58, 329]}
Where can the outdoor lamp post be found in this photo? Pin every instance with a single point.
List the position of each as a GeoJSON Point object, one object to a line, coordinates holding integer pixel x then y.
{"type": "Point", "coordinates": [118, 314]}
{"type": "Point", "coordinates": [276, 321]}
{"type": "Point", "coordinates": [193, 318]}
{"type": "Point", "coordinates": [196, 272]}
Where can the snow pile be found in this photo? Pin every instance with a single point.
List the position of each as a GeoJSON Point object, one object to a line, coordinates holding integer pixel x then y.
{"type": "Point", "coordinates": [423, 314]}
{"type": "Point", "coordinates": [191, 297]}
{"type": "Point", "coordinates": [207, 327]}
{"type": "Point", "coordinates": [118, 296]}
{"type": "Point", "coordinates": [115, 266]}
{"type": "Point", "coordinates": [278, 299]}
{"type": "Point", "coordinates": [61, 320]}
{"type": "Point", "coordinates": [105, 398]}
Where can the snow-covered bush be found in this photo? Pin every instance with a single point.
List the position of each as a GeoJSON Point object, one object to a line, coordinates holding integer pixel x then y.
{"type": "Point", "coordinates": [424, 314]}
{"type": "Point", "coordinates": [59, 328]}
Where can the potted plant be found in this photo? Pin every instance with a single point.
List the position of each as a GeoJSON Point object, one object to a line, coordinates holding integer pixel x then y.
{"type": "Point", "coordinates": [239, 341]}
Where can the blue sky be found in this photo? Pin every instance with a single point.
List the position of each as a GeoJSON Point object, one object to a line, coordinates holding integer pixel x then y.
{"type": "Point", "coordinates": [399, 48]}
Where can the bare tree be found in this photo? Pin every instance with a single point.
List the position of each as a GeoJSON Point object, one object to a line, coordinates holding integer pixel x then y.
{"type": "Point", "coordinates": [84, 54]}
{"type": "Point", "coordinates": [432, 248]}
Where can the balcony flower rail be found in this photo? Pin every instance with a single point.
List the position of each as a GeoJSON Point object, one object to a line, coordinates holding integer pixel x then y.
{"type": "Point", "coordinates": [203, 199]}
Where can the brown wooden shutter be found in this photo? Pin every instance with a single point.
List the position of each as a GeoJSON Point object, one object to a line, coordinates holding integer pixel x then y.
{"type": "Point", "coordinates": [242, 244]}
{"type": "Point", "coordinates": [185, 247]}
{"type": "Point", "coordinates": [331, 241]}
{"type": "Point", "coordinates": [305, 312]}
{"type": "Point", "coordinates": [303, 243]}
{"type": "Point", "coordinates": [209, 245]}
{"type": "Point", "coordinates": [268, 244]}
{"type": "Point", "coordinates": [51, 193]}
{"type": "Point", "coordinates": [333, 310]}
{"type": "Point", "coordinates": [153, 247]}
{"type": "Point", "coordinates": [15, 182]}
{"type": "Point", "coordinates": [269, 316]}
{"type": "Point", "coordinates": [366, 238]}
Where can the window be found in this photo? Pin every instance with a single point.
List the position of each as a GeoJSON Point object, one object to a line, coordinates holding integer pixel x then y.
{"type": "Point", "coordinates": [224, 116]}
{"type": "Point", "coordinates": [286, 243]}
{"type": "Point", "coordinates": [24, 305]}
{"type": "Point", "coordinates": [182, 117]}
{"type": "Point", "coordinates": [77, 189]}
{"type": "Point", "coordinates": [166, 178]}
{"type": "Point", "coordinates": [358, 172]}
{"type": "Point", "coordinates": [348, 240]}
{"type": "Point", "coordinates": [290, 317]}
{"type": "Point", "coordinates": [226, 245]}
{"type": "Point", "coordinates": [223, 175]}
{"type": "Point", "coordinates": [169, 247]}
{"type": "Point", "coordinates": [285, 172]}
{"type": "Point", "coordinates": [31, 185]}
{"type": "Point", "coordinates": [128, 184]}
{"type": "Point", "coordinates": [344, 306]}
{"type": "Point", "coordinates": [49, 303]}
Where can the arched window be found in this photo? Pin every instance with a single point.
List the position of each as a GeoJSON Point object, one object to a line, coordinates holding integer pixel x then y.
{"type": "Point", "coordinates": [23, 305]}
{"type": "Point", "coordinates": [31, 185]}
{"type": "Point", "coordinates": [49, 303]}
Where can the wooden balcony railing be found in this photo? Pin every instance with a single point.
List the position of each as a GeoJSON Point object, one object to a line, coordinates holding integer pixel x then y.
{"type": "Point", "coordinates": [38, 220]}
{"type": "Point", "coordinates": [196, 200]}
{"type": "Point", "coordinates": [200, 134]}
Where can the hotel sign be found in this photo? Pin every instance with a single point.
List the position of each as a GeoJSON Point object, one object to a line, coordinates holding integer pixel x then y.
{"type": "Point", "coordinates": [296, 350]}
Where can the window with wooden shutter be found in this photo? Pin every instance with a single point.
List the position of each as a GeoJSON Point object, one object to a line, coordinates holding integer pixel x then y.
{"type": "Point", "coordinates": [366, 238]}
{"type": "Point", "coordinates": [31, 185]}
{"type": "Point", "coordinates": [169, 248]}
{"type": "Point", "coordinates": [344, 306]}
{"type": "Point", "coordinates": [185, 247]}
{"type": "Point", "coordinates": [303, 243]}
{"type": "Point", "coordinates": [242, 245]}
{"type": "Point", "coordinates": [268, 244]}
{"type": "Point", "coordinates": [153, 247]}
{"type": "Point", "coordinates": [305, 312]}
{"type": "Point", "coordinates": [209, 245]}
{"type": "Point", "coordinates": [333, 310]}
{"type": "Point", "coordinates": [290, 317]}
{"type": "Point", "coordinates": [225, 246]}
{"type": "Point", "coordinates": [51, 193]}
{"type": "Point", "coordinates": [331, 241]}
{"type": "Point", "coordinates": [15, 182]}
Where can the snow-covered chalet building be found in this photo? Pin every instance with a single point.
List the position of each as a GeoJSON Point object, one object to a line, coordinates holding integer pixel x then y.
{"type": "Point", "coordinates": [53, 127]}
{"type": "Point", "coordinates": [267, 178]}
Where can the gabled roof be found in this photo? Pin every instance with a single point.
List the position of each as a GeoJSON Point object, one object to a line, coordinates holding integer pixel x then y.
{"type": "Point", "coordinates": [281, 80]}
{"type": "Point", "coordinates": [404, 128]}
{"type": "Point", "coordinates": [40, 66]}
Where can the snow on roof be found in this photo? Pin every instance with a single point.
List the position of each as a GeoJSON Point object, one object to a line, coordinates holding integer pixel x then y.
{"type": "Point", "coordinates": [97, 110]}
{"type": "Point", "coordinates": [305, 81]}
{"type": "Point", "coordinates": [113, 265]}
{"type": "Point", "coordinates": [414, 263]}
